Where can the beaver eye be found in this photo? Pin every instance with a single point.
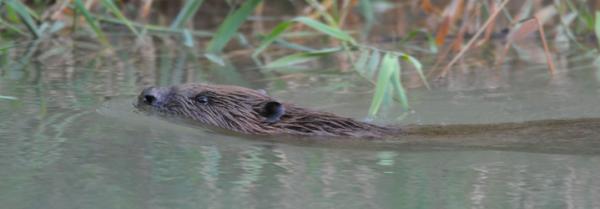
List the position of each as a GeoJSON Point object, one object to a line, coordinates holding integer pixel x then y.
{"type": "Point", "coordinates": [202, 99]}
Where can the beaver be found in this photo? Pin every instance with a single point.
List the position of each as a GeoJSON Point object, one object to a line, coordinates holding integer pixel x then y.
{"type": "Point", "coordinates": [253, 112]}
{"type": "Point", "coordinates": [249, 111]}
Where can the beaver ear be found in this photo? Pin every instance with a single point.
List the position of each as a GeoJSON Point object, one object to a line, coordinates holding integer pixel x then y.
{"type": "Point", "coordinates": [272, 111]}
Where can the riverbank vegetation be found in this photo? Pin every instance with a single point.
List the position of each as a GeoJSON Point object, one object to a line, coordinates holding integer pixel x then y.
{"type": "Point", "coordinates": [376, 39]}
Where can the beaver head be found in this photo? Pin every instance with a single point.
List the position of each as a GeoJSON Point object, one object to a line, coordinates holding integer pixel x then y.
{"type": "Point", "coordinates": [250, 111]}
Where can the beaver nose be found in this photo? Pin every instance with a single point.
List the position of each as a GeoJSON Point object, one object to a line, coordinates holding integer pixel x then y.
{"type": "Point", "coordinates": [154, 96]}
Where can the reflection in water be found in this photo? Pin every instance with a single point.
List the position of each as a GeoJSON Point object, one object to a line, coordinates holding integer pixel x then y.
{"type": "Point", "coordinates": [62, 147]}
{"type": "Point", "coordinates": [107, 164]}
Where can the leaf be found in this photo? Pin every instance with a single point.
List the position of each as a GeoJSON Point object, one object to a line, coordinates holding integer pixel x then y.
{"type": "Point", "coordinates": [333, 32]}
{"type": "Point", "coordinates": [110, 5]}
{"type": "Point", "coordinates": [389, 63]}
{"type": "Point", "coordinates": [187, 12]}
{"type": "Point", "coordinates": [230, 25]}
{"type": "Point", "coordinates": [301, 57]}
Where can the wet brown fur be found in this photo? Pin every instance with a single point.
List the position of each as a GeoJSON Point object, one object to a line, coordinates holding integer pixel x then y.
{"type": "Point", "coordinates": [243, 110]}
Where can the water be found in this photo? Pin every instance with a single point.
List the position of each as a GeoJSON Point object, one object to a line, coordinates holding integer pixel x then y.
{"type": "Point", "coordinates": [73, 140]}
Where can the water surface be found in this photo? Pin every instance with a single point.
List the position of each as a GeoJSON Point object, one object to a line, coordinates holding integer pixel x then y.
{"type": "Point", "coordinates": [73, 140]}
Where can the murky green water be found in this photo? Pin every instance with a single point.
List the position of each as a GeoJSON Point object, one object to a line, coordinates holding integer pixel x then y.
{"type": "Point", "coordinates": [64, 144]}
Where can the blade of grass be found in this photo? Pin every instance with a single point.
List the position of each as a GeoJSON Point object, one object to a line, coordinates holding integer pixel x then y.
{"type": "Point", "coordinates": [286, 44]}
{"type": "Point", "coordinates": [361, 63]}
{"type": "Point", "coordinates": [366, 9]}
{"type": "Point", "coordinates": [597, 27]}
{"type": "Point", "coordinates": [55, 27]}
{"type": "Point", "coordinates": [581, 14]}
{"type": "Point", "coordinates": [8, 97]}
{"type": "Point", "coordinates": [25, 57]}
{"type": "Point", "coordinates": [345, 9]}
{"type": "Point", "coordinates": [13, 28]}
{"type": "Point", "coordinates": [418, 67]}
{"type": "Point", "coordinates": [92, 22]}
{"type": "Point", "coordinates": [388, 64]}
{"type": "Point", "coordinates": [551, 68]}
{"type": "Point", "coordinates": [4, 54]}
{"type": "Point", "coordinates": [110, 5]}
{"type": "Point", "coordinates": [301, 57]}
{"type": "Point", "coordinates": [564, 31]}
{"type": "Point", "coordinates": [334, 11]}
{"type": "Point", "coordinates": [155, 28]}
{"type": "Point", "coordinates": [321, 10]}
{"type": "Point", "coordinates": [145, 9]}
{"type": "Point", "coordinates": [331, 31]}
{"type": "Point", "coordinates": [230, 25]}
{"type": "Point", "coordinates": [373, 63]}
{"type": "Point", "coordinates": [491, 8]}
{"type": "Point", "coordinates": [431, 42]}
{"type": "Point", "coordinates": [23, 12]}
{"type": "Point", "coordinates": [188, 39]}
{"type": "Point", "coordinates": [282, 27]}
{"type": "Point", "coordinates": [11, 15]}
{"type": "Point", "coordinates": [449, 15]}
{"type": "Point", "coordinates": [242, 40]}
{"type": "Point", "coordinates": [187, 12]}
{"type": "Point", "coordinates": [397, 84]}
{"type": "Point", "coordinates": [301, 34]}
{"type": "Point", "coordinates": [215, 59]}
